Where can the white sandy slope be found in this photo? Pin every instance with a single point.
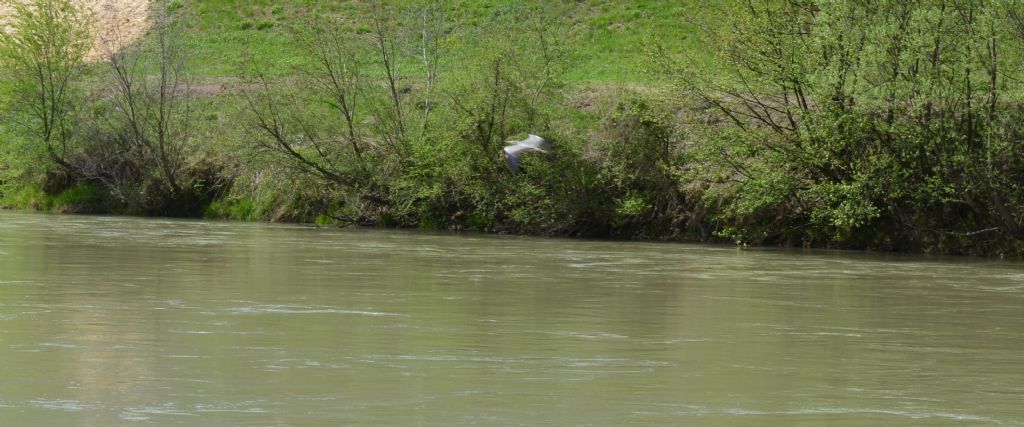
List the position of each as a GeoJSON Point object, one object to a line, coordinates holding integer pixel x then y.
{"type": "Point", "coordinates": [117, 22]}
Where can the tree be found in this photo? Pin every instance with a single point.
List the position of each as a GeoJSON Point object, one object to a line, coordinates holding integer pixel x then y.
{"type": "Point", "coordinates": [43, 54]}
{"type": "Point", "coordinates": [147, 134]}
{"type": "Point", "coordinates": [358, 125]}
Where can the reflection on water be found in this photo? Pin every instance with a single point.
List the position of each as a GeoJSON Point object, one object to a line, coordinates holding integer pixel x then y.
{"type": "Point", "coordinates": [120, 321]}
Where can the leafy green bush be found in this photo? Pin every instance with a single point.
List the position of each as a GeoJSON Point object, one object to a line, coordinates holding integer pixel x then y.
{"type": "Point", "coordinates": [886, 125]}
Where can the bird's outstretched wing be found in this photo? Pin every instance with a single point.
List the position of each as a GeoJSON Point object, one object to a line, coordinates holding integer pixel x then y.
{"type": "Point", "coordinates": [512, 154]}
{"type": "Point", "coordinates": [537, 143]}
{"type": "Point", "coordinates": [531, 143]}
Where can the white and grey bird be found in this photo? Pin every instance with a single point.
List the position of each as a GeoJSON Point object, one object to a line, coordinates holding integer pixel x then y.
{"type": "Point", "coordinates": [531, 143]}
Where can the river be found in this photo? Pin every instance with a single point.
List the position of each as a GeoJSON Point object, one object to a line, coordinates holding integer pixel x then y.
{"type": "Point", "coordinates": [124, 321]}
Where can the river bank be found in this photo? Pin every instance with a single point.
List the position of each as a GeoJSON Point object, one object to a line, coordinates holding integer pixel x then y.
{"type": "Point", "coordinates": [338, 114]}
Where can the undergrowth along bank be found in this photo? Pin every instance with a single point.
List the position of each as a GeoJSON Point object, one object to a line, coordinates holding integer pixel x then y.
{"type": "Point", "coordinates": [844, 123]}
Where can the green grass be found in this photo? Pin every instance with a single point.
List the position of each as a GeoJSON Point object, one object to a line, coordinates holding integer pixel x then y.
{"type": "Point", "coordinates": [82, 197]}
{"type": "Point", "coordinates": [611, 47]}
{"type": "Point", "coordinates": [607, 47]}
{"type": "Point", "coordinates": [26, 198]}
{"type": "Point", "coordinates": [609, 36]}
{"type": "Point", "coordinates": [236, 209]}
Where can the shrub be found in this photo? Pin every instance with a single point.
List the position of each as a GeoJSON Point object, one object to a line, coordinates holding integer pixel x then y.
{"type": "Point", "coordinates": [886, 125]}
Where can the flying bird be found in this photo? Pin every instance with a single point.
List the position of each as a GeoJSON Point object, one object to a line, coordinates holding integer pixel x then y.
{"type": "Point", "coordinates": [531, 143]}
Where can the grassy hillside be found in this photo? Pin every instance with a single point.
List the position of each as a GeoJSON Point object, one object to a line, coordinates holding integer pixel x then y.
{"type": "Point", "coordinates": [608, 36]}
{"type": "Point", "coordinates": [605, 43]}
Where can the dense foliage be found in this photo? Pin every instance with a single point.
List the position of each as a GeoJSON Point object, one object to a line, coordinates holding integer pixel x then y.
{"type": "Point", "coordinates": [887, 125]}
{"type": "Point", "coordinates": [878, 124]}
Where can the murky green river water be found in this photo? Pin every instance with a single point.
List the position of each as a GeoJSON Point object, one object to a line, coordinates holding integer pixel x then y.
{"type": "Point", "coordinates": [121, 321]}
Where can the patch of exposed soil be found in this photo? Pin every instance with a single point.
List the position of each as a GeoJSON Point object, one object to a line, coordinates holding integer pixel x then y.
{"type": "Point", "coordinates": [117, 22]}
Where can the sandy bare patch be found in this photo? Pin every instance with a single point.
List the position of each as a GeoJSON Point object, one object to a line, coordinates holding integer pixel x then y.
{"type": "Point", "coordinates": [117, 22]}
